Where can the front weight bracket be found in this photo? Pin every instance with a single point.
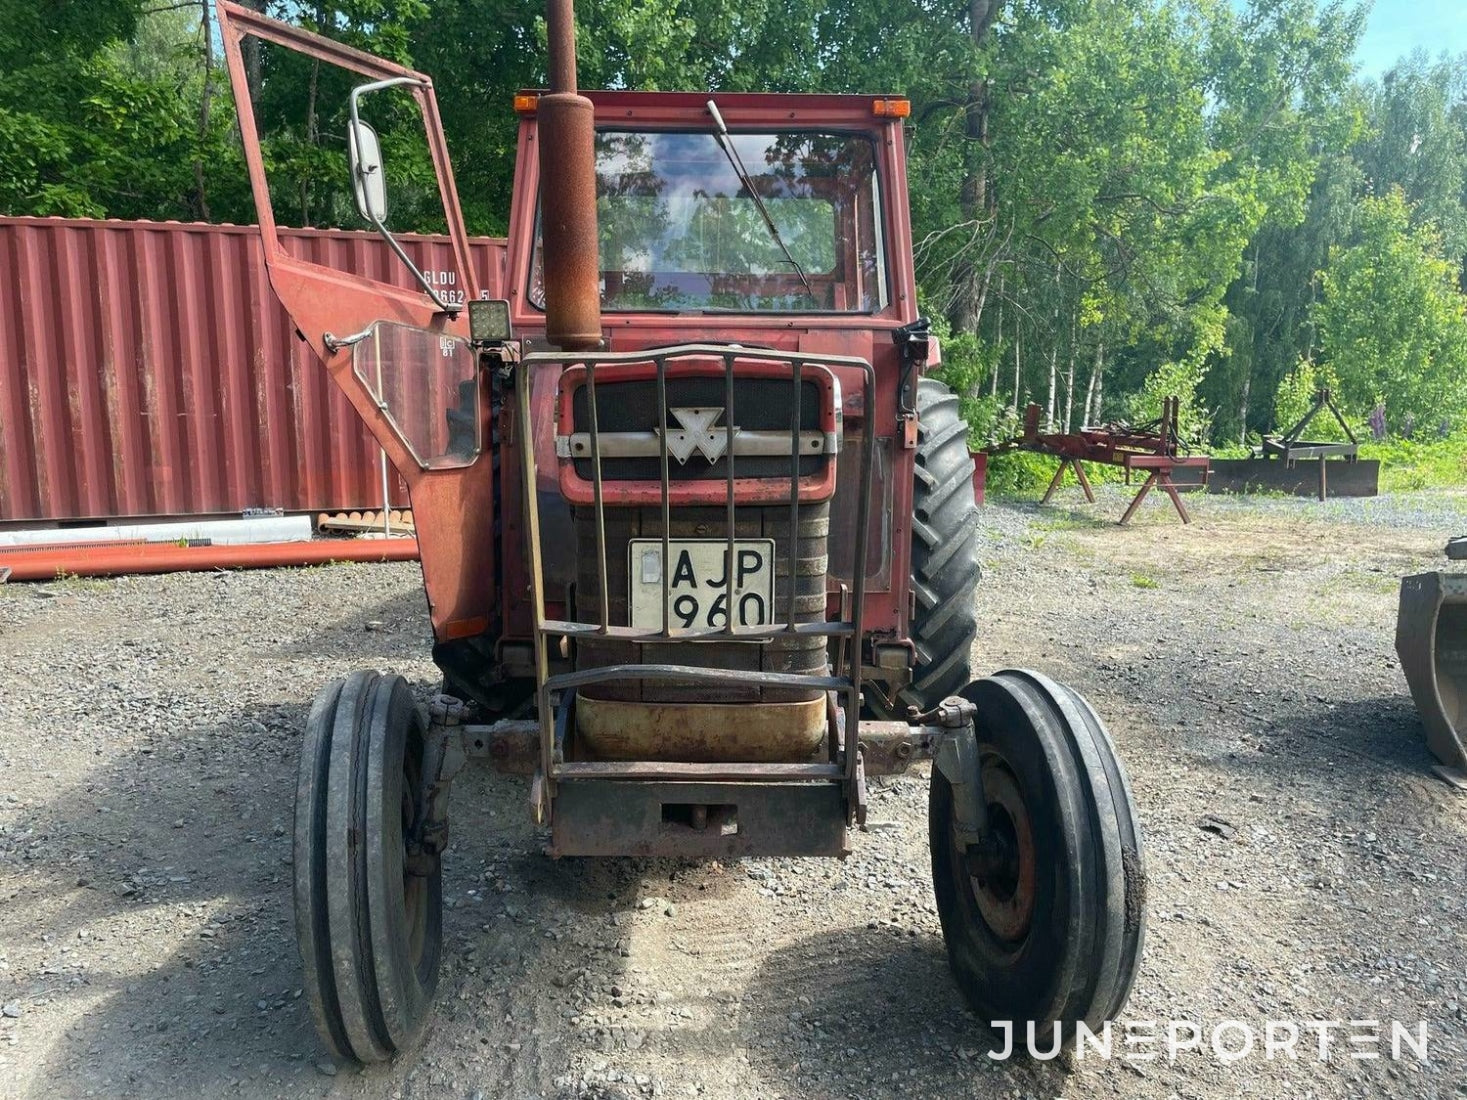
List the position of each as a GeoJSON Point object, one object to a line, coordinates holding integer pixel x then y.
{"type": "Point", "coordinates": [443, 756]}
{"type": "Point", "coordinates": [957, 758]}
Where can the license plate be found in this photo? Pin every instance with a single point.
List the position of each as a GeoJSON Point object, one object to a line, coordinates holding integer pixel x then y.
{"type": "Point", "coordinates": [698, 583]}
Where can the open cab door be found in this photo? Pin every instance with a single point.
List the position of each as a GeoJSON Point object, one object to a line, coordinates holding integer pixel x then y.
{"type": "Point", "coordinates": [402, 356]}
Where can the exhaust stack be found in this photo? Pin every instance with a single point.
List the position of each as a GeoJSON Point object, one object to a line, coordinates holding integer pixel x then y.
{"type": "Point", "coordinates": [568, 195]}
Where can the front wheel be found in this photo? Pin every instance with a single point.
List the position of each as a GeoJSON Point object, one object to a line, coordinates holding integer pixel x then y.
{"type": "Point", "coordinates": [368, 910]}
{"type": "Point", "coordinates": [1044, 920]}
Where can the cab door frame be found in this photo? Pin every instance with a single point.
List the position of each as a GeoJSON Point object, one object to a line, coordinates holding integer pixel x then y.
{"type": "Point", "coordinates": [453, 507]}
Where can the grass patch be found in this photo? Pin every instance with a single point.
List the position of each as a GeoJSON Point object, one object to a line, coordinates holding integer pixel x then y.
{"type": "Point", "coordinates": [1144, 580]}
{"type": "Point", "coordinates": [1023, 475]}
{"type": "Point", "coordinates": [1408, 465]}
{"type": "Point", "coordinates": [1068, 521]}
{"type": "Point", "coordinates": [74, 582]}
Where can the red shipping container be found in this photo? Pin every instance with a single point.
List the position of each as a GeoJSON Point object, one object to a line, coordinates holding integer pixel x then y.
{"type": "Point", "coordinates": [146, 369]}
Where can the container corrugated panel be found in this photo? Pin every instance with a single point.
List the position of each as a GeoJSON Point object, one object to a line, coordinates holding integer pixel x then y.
{"type": "Point", "coordinates": [146, 369]}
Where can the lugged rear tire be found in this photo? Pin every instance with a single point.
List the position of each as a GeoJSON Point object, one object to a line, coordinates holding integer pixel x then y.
{"type": "Point", "coordinates": [945, 568]}
{"type": "Point", "coordinates": [369, 932]}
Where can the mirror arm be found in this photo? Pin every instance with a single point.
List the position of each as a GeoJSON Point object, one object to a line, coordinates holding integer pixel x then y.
{"type": "Point", "coordinates": [336, 343]}
{"type": "Point", "coordinates": [356, 121]}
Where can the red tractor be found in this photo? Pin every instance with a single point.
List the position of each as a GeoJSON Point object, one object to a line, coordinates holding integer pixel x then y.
{"type": "Point", "coordinates": [698, 541]}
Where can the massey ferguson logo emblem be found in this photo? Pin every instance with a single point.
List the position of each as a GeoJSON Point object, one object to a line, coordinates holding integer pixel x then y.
{"type": "Point", "coordinates": [697, 434]}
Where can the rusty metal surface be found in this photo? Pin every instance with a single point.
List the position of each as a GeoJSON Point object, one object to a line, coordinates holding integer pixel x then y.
{"type": "Point", "coordinates": [560, 35]}
{"type": "Point", "coordinates": [608, 817]}
{"type": "Point", "coordinates": [698, 771]}
{"type": "Point", "coordinates": [1155, 448]}
{"type": "Point", "coordinates": [147, 370]}
{"type": "Point", "coordinates": [1302, 477]}
{"type": "Point", "coordinates": [512, 746]}
{"type": "Point", "coordinates": [1108, 443]}
{"type": "Point", "coordinates": [615, 729]}
{"type": "Point", "coordinates": [568, 222]}
{"type": "Point", "coordinates": [110, 559]}
{"type": "Point", "coordinates": [460, 560]}
{"type": "Point", "coordinates": [859, 336]}
{"type": "Point", "coordinates": [568, 194]}
{"type": "Point", "coordinates": [1290, 463]}
{"type": "Point", "coordinates": [889, 748]}
{"type": "Point", "coordinates": [1431, 640]}
{"type": "Point", "coordinates": [847, 656]}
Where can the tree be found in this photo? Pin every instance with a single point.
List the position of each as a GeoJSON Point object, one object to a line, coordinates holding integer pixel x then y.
{"type": "Point", "coordinates": [100, 114]}
{"type": "Point", "coordinates": [1392, 322]}
{"type": "Point", "coordinates": [1417, 141]}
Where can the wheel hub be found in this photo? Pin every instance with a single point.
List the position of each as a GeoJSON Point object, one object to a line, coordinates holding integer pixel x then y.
{"type": "Point", "coordinates": [1001, 867]}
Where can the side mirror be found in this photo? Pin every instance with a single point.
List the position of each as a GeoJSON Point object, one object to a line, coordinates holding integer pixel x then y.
{"type": "Point", "coordinates": [369, 187]}
{"type": "Point", "coordinates": [368, 184]}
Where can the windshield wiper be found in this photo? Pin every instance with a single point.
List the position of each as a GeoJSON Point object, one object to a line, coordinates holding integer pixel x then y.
{"type": "Point", "coordinates": [736, 162]}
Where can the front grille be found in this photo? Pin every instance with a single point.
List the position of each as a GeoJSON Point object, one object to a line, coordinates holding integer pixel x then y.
{"type": "Point", "coordinates": [761, 405]}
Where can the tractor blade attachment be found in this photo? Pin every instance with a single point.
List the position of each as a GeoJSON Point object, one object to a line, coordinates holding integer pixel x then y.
{"type": "Point", "coordinates": [1431, 640]}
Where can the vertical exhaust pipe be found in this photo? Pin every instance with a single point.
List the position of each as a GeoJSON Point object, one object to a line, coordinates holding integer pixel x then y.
{"type": "Point", "coordinates": [568, 195]}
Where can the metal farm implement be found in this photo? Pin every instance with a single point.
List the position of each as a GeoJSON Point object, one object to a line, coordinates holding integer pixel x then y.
{"type": "Point", "coordinates": [698, 541]}
{"type": "Point", "coordinates": [1154, 449]}
{"type": "Point", "coordinates": [1289, 463]}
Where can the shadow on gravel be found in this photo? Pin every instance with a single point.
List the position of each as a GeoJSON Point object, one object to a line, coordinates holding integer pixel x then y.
{"type": "Point", "coordinates": [173, 862]}
{"type": "Point", "coordinates": [1384, 734]}
{"type": "Point", "coordinates": [874, 1012]}
{"type": "Point", "coordinates": [398, 631]}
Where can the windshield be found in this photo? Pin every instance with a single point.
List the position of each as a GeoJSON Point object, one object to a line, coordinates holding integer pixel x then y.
{"type": "Point", "coordinates": [680, 232]}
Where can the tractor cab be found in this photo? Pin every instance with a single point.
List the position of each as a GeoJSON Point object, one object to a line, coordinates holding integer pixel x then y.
{"type": "Point", "coordinates": [688, 228]}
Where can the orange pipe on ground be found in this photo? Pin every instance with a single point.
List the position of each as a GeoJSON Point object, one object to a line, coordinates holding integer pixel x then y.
{"type": "Point", "coordinates": [104, 560]}
{"type": "Point", "coordinates": [8, 552]}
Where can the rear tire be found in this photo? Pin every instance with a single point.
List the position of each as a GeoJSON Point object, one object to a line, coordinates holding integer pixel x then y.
{"type": "Point", "coordinates": [1050, 929]}
{"type": "Point", "coordinates": [369, 932]}
{"type": "Point", "coordinates": [945, 568]}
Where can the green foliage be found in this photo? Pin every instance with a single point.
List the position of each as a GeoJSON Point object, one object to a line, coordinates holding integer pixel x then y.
{"type": "Point", "coordinates": [1018, 474]}
{"type": "Point", "coordinates": [1296, 396]}
{"type": "Point", "coordinates": [967, 365]}
{"type": "Point", "coordinates": [1180, 380]}
{"type": "Point", "coordinates": [100, 114]}
{"type": "Point", "coordinates": [1025, 475]}
{"type": "Point", "coordinates": [1417, 142]}
{"type": "Point", "coordinates": [1392, 320]}
{"type": "Point", "coordinates": [1434, 462]}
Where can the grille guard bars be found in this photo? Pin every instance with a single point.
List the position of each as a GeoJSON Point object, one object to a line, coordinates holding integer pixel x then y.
{"type": "Point", "coordinates": [822, 442]}
{"type": "Point", "coordinates": [847, 630]}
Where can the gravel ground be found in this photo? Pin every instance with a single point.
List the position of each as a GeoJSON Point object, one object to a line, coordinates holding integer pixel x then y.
{"type": "Point", "coordinates": [1304, 862]}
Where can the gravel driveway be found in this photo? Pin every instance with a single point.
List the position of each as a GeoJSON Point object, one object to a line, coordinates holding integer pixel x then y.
{"type": "Point", "coordinates": [1304, 862]}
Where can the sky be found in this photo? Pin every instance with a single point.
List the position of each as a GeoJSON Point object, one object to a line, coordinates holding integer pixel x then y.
{"type": "Point", "coordinates": [1396, 27]}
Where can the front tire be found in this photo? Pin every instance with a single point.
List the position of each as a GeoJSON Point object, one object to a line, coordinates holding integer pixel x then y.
{"type": "Point", "coordinates": [1045, 924]}
{"type": "Point", "coordinates": [369, 930]}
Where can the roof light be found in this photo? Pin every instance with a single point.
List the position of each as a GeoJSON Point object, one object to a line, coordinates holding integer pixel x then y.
{"type": "Point", "coordinates": [891, 108]}
{"type": "Point", "coordinates": [526, 104]}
